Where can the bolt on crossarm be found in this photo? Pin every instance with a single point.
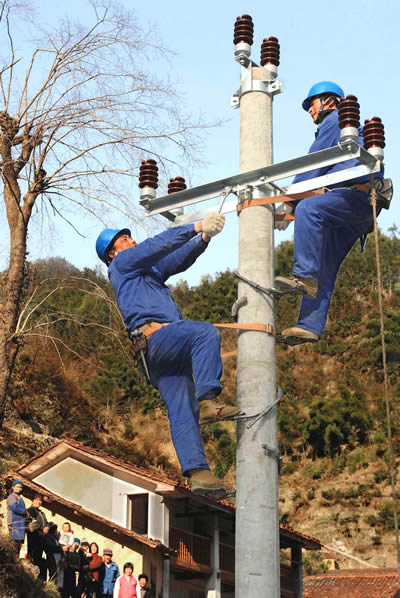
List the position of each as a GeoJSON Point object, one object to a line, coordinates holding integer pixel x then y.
{"type": "Point", "coordinates": [257, 512]}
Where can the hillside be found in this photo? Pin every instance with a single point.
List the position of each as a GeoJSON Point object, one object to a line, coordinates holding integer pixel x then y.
{"type": "Point", "coordinates": [75, 377]}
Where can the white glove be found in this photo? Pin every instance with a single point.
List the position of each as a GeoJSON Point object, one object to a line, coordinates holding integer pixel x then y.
{"type": "Point", "coordinates": [213, 224]}
{"type": "Point", "coordinates": [284, 208]}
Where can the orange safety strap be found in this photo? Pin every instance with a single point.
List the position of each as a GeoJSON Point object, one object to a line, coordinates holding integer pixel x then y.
{"type": "Point", "coordinates": [152, 329]}
{"type": "Point", "coordinates": [264, 201]}
{"type": "Point", "coordinates": [229, 354]}
{"type": "Point", "coordinates": [268, 328]}
{"type": "Point", "coordinates": [282, 217]}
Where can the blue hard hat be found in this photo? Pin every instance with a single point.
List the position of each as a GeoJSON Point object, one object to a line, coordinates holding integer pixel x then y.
{"type": "Point", "coordinates": [321, 88]}
{"type": "Point", "coordinates": [105, 240]}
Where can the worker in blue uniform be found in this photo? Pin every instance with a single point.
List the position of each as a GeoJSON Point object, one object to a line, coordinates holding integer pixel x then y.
{"type": "Point", "coordinates": [326, 226]}
{"type": "Point", "coordinates": [183, 357]}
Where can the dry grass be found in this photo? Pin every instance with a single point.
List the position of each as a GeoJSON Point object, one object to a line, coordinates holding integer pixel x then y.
{"type": "Point", "coordinates": [19, 579]}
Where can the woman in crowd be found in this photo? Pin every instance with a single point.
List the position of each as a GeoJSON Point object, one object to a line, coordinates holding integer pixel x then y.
{"type": "Point", "coordinates": [96, 566]}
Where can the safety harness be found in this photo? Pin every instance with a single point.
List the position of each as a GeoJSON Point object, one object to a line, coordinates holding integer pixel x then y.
{"type": "Point", "coordinates": [264, 201]}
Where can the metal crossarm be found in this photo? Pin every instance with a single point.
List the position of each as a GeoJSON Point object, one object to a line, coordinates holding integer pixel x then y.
{"type": "Point", "coordinates": [262, 178]}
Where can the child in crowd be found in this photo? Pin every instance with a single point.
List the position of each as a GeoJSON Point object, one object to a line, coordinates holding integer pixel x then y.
{"type": "Point", "coordinates": [66, 537]}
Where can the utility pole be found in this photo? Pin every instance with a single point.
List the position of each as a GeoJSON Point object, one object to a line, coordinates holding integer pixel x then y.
{"type": "Point", "coordinates": [257, 567]}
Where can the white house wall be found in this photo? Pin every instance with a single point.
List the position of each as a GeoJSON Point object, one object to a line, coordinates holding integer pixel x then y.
{"type": "Point", "coordinates": [156, 517]}
{"type": "Point", "coordinates": [100, 493]}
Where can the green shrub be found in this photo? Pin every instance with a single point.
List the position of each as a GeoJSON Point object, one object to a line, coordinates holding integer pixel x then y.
{"type": "Point", "coordinates": [313, 563]}
{"type": "Point", "coordinates": [284, 518]}
{"type": "Point", "coordinates": [354, 459]}
{"type": "Point", "coordinates": [339, 464]}
{"type": "Point", "coordinates": [381, 476]}
{"type": "Point", "coordinates": [307, 470]}
{"type": "Point", "coordinates": [289, 468]}
{"type": "Point", "coordinates": [376, 540]}
{"type": "Point", "coordinates": [385, 516]}
{"type": "Point", "coordinates": [328, 494]}
{"type": "Point", "coordinates": [319, 470]}
{"type": "Point", "coordinates": [378, 437]}
{"type": "Point", "coordinates": [371, 520]}
{"type": "Point", "coordinates": [337, 421]}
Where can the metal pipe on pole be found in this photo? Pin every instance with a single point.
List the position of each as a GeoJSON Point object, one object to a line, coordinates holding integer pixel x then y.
{"type": "Point", "coordinates": [257, 511]}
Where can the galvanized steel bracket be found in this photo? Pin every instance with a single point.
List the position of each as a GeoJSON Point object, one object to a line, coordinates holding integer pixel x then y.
{"type": "Point", "coordinates": [270, 86]}
{"type": "Point", "coordinates": [273, 454]}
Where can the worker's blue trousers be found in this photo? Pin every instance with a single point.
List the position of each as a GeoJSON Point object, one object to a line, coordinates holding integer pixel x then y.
{"type": "Point", "coordinates": [325, 229]}
{"type": "Point", "coordinates": [184, 361]}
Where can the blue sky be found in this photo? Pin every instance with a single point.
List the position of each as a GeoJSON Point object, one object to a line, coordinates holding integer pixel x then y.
{"type": "Point", "coordinates": [354, 43]}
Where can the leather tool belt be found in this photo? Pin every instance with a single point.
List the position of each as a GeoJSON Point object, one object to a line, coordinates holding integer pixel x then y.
{"type": "Point", "coordinates": [139, 348]}
{"type": "Point", "coordinates": [138, 343]}
{"type": "Point", "coordinates": [384, 193]}
{"type": "Point", "coordinates": [358, 186]}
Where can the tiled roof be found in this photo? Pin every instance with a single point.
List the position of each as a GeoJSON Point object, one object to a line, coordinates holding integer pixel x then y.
{"type": "Point", "coordinates": [353, 583]}
{"type": "Point", "coordinates": [314, 544]}
{"type": "Point", "coordinates": [50, 499]}
{"type": "Point", "coordinates": [307, 541]}
{"type": "Point", "coordinates": [141, 471]}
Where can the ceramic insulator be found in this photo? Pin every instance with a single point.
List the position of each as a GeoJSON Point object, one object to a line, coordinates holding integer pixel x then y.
{"type": "Point", "coordinates": [270, 51]}
{"type": "Point", "coordinates": [148, 174]}
{"type": "Point", "coordinates": [244, 29]}
{"type": "Point", "coordinates": [374, 133]}
{"type": "Point", "coordinates": [349, 112]}
{"type": "Point", "coordinates": [176, 184]}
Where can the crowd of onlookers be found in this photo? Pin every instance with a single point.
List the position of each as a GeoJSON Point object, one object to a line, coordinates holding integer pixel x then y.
{"type": "Point", "coordinates": [75, 565]}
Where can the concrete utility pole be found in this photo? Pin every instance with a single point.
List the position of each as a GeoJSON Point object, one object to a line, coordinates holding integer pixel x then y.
{"type": "Point", "coordinates": [257, 508]}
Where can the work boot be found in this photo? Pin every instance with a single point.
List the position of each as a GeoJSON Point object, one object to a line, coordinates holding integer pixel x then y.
{"type": "Point", "coordinates": [210, 395]}
{"type": "Point", "coordinates": [205, 483]}
{"type": "Point", "coordinates": [308, 287]}
{"type": "Point", "coordinates": [297, 336]}
{"type": "Point", "coordinates": [210, 412]}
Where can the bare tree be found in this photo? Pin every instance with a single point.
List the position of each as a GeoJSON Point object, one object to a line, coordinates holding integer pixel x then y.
{"type": "Point", "coordinates": [77, 116]}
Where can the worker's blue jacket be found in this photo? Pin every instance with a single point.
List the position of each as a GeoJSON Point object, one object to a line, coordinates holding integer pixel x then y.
{"type": "Point", "coordinates": [138, 275]}
{"type": "Point", "coordinates": [328, 135]}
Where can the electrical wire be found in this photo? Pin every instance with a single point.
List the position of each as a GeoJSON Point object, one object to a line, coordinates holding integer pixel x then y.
{"type": "Point", "coordinates": [392, 465]}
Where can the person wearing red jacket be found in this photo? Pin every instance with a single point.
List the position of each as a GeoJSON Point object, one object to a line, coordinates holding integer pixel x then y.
{"type": "Point", "coordinates": [96, 567]}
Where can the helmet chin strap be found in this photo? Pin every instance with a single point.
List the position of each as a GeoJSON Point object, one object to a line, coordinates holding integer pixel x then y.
{"type": "Point", "coordinates": [323, 112]}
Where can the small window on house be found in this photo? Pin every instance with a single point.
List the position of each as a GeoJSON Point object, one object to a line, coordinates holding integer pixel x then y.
{"type": "Point", "coordinates": [139, 507]}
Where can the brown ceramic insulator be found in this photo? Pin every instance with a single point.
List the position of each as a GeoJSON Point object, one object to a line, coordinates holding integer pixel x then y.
{"type": "Point", "coordinates": [244, 30]}
{"type": "Point", "coordinates": [148, 174]}
{"type": "Point", "coordinates": [349, 112]}
{"type": "Point", "coordinates": [270, 51]}
{"type": "Point", "coordinates": [176, 184]}
{"type": "Point", "coordinates": [374, 133]}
